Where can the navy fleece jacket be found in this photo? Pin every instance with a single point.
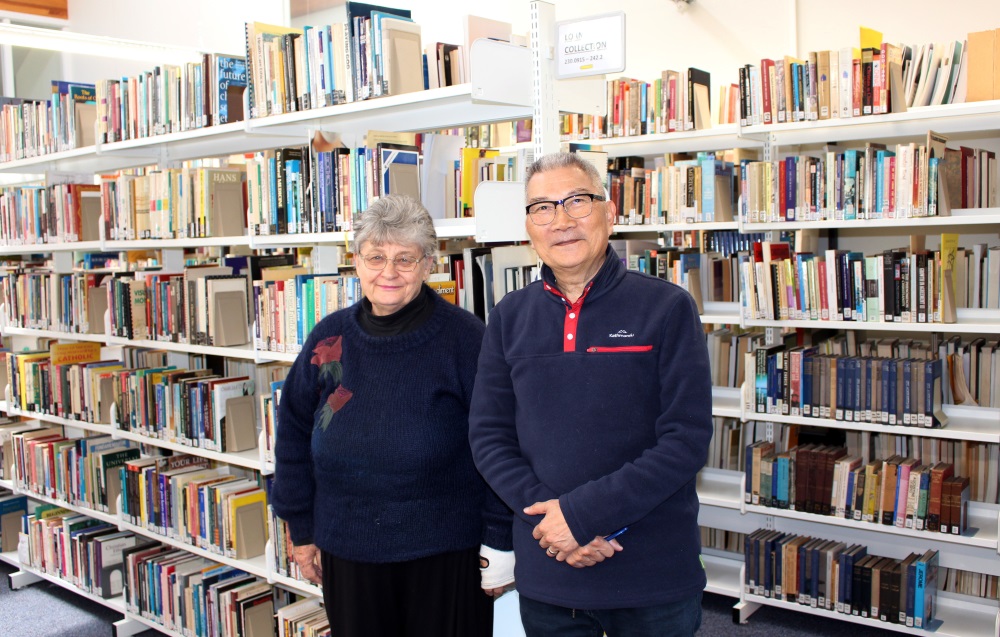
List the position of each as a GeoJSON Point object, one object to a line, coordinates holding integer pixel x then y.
{"type": "Point", "coordinates": [604, 404]}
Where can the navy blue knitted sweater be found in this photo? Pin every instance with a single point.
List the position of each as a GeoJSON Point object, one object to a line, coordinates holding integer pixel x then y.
{"type": "Point", "coordinates": [372, 454]}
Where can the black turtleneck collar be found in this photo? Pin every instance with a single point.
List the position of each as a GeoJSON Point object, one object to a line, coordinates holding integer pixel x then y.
{"type": "Point", "coordinates": [410, 317]}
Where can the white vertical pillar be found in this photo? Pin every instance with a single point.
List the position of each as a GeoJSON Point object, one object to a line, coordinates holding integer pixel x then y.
{"type": "Point", "coordinates": [7, 66]}
{"type": "Point", "coordinates": [545, 127]}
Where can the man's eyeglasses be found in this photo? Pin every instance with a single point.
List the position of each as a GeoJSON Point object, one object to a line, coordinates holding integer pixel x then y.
{"type": "Point", "coordinates": [404, 263]}
{"type": "Point", "coordinates": [577, 206]}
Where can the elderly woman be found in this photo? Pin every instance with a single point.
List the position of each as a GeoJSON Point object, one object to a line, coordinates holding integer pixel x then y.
{"type": "Point", "coordinates": [374, 474]}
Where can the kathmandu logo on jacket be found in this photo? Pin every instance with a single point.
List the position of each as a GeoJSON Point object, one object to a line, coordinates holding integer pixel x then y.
{"type": "Point", "coordinates": [621, 334]}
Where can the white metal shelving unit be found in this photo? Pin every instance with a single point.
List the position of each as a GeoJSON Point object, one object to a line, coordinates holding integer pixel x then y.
{"type": "Point", "coordinates": [500, 90]}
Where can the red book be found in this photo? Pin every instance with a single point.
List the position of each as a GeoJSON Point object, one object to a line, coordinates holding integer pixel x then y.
{"type": "Point", "coordinates": [856, 90]}
{"type": "Point", "coordinates": [672, 110]}
{"type": "Point", "coordinates": [765, 88]}
{"type": "Point", "coordinates": [821, 275]}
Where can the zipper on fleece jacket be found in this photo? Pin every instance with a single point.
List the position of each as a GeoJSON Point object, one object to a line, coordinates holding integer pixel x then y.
{"type": "Point", "coordinates": [620, 348]}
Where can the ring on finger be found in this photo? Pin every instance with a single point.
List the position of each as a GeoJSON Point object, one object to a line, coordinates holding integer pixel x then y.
{"type": "Point", "coordinates": [551, 552]}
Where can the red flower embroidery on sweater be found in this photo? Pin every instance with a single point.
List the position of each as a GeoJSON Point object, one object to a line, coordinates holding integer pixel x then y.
{"type": "Point", "coordinates": [334, 403]}
{"type": "Point", "coordinates": [327, 351]}
{"type": "Point", "coordinates": [339, 398]}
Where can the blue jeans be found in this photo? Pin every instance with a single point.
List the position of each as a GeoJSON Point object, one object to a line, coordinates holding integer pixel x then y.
{"type": "Point", "coordinates": [676, 619]}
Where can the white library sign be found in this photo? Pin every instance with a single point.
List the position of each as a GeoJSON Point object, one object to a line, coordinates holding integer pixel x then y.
{"type": "Point", "coordinates": [590, 46]}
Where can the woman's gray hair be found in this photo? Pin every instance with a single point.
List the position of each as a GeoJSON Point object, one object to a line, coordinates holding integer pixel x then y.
{"type": "Point", "coordinates": [554, 161]}
{"type": "Point", "coordinates": [399, 219]}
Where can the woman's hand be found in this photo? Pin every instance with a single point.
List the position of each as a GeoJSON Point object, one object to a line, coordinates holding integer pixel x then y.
{"type": "Point", "coordinates": [307, 557]}
{"type": "Point", "coordinates": [497, 569]}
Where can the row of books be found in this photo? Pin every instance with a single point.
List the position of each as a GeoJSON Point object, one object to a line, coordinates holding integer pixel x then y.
{"type": "Point", "coordinates": [949, 579]}
{"type": "Point", "coordinates": [188, 202]}
{"type": "Point", "coordinates": [82, 472]}
{"type": "Point", "coordinates": [198, 407]}
{"type": "Point", "coordinates": [977, 460]}
{"type": "Point", "coordinates": [319, 189]}
{"type": "Point", "coordinates": [495, 135]}
{"type": "Point", "coordinates": [286, 310]}
{"type": "Point", "coordinates": [200, 304]}
{"type": "Point", "coordinates": [284, 564]}
{"type": "Point", "coordinates": [849, 82]}
{"type": "Point", "coordinates": [192, 595]}
{"type": "Point", "coordinates": [77, 549]}
{"type": "Point", "coordinates": [306, 617]}
{"type": "Point", "coordinates": [891, 391]}
{"type": "Point", "coordinates": [60, 213]}
{"type": "Point", "coordinates": [368, 51]}
{"type": "Point", "coordinates": [896, 286]}
{"type": "Point", "coordinates": [683, 191]}
{"type": "Point", "coordinates": [835, 576]}
{"type": "Point", "coordinates": [180, 591]}
{"type": "Point", "coordinates": [675, 101]}
{"type": "Point", "coordinates": [37, 297]}
{"type": "Point", "coordinates": [707, 276]}
{"type": "Point", "coordinates": [29, 128]}
{"type": "Point", "coordinates": [908, 181]}
{"type": "Point", "coordinates": [374, 51]}
{"type": "Point", "coordinates": [171, 98]}
{"type": "Point", "coordinates": [825, 480]}
{"type": "Point", "coordinates": [219, 509]}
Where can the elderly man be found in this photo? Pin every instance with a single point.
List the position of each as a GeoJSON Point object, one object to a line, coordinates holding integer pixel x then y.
{"type": "Point", "coordinates": [591, 417]}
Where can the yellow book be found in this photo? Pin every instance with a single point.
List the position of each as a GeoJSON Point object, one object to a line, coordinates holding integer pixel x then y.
{"type": "Point", "coordinates": [870, 38]}
{"type": "Point", "coordinates": [65, 353]}
{"type": "Point", "coordinates": [22, 362]}
{"type": "Point", "coordinates": [248, 523]}
{"type": "Point", "coordinates": [446, 289]}
{"type": "Point", "coordinates": [470, 172]}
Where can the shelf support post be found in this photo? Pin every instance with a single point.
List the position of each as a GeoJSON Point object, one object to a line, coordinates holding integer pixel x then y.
{"type": "Point", "coordinates": [20, 579]}
{"type": "Point", "coordinates": [742, 611]}
{"type": "Point", "coordinates": [127, 627]}
{"type": "Point", "coordinates": [545, 113]}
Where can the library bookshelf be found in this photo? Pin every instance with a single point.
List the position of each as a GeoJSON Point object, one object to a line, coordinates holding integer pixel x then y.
{"type": "Point", "coordinates": [721, 490]}
{"type": "Point", "coordinates": [499, 72]}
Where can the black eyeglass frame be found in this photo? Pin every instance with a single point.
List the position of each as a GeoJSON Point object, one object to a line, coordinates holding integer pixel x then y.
{"type": "Point", "coordinates": [562, 202]}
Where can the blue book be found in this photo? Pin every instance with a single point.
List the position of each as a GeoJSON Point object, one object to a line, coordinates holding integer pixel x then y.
{"type": "Point", "coordinates": [814, 576]}
{"type": "Point", "coordinates": [857, 397]}
{"type": "Point", "coordinates": [932, 392]}
{"type": "Point", "coordinates": [925, 589]}
{"type": "Point", "coordinates": [907, 393]}
{"type": "Point", "coordinates": [272, 170]}
{"type": "Point", "coordinates": [850, 184]}
{"type": "Point", "coordinates": [293, 203]}
{"type": "Point", "coordinates": [801, 571]}
{"type": "Point", "coordinates": [232, 77]}
{"type": "Point", "coordinates": [795, 69]}
{"type": "Point", "coordinates": [906, 615]}
{"type": "Point", "coordinates": [868, 370]}
{"type": "Point", "coordinates": [781, 470]}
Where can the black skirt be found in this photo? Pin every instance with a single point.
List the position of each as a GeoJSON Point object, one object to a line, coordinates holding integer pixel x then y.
{"type": "Point", "coordinates": [436, 596]}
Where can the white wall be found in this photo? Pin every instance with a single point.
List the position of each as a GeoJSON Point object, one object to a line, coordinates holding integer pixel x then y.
{"type": "Point", "coordinates": [215, 26]}
{"type": "Point", "coordinates": [834, 25]}
{"type": "Point", "coordinates": [714, 35]}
